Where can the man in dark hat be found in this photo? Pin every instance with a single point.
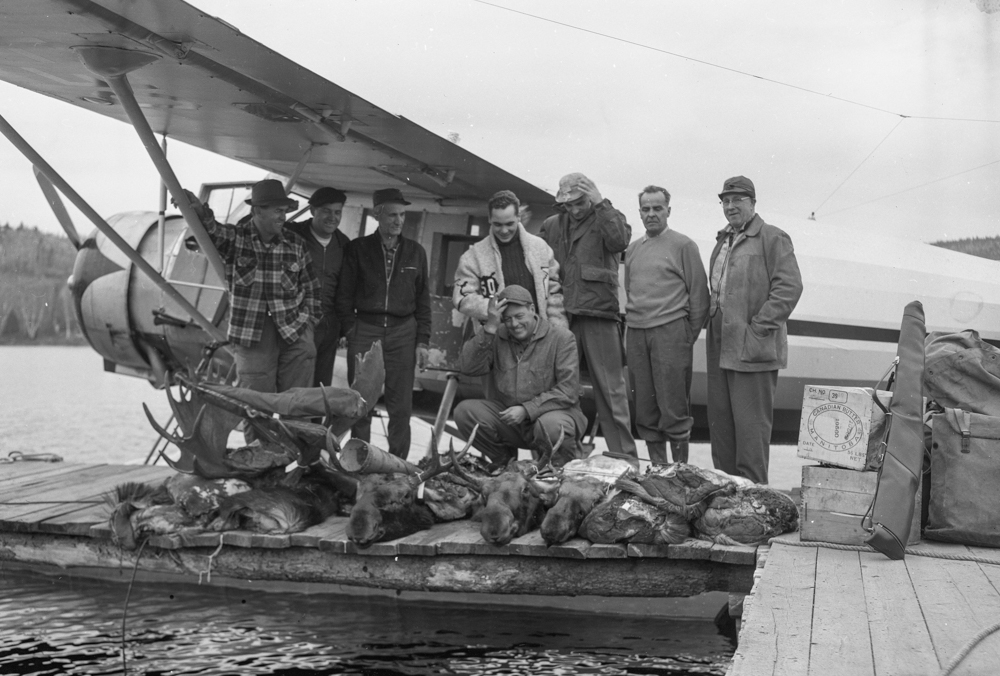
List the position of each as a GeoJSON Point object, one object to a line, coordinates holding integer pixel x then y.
{"type": "Point", "coordinates": [533, 368]}
{"type": "Point", "coordinates": [588, 237]}
{"type": "Point", "coordinates": [384, 295]}
{"type": "Point", "coordinates": [755, 284]}
{"type": "Point", "coordinates": [273, 293]}
{"type": "Point", "coordinates": [326, 246]}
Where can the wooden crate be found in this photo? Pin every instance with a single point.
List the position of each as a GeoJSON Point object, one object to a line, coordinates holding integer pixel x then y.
{"type": "Point", "coordinates": [834, 500]}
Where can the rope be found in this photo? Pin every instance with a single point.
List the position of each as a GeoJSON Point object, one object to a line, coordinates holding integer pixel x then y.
{"type": "Point", "coordinates": [211, 558]}
{"type": "Point", "coordinates": [967, 648]}
{"type": "Point", "coordinates": [128, 594]}
{"type": "Point", "coordinates": [909, 550]}
{"type": "Point", "coordinates": [54, 502]}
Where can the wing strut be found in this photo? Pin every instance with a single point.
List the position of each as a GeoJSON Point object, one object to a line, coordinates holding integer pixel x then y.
{"type": "Point", "coordinates": [58, 208]}
{"type": "Point", "coordinates": [41, 165]}
{"type": "Point", "coordinates": [112, 65]}
{"type": "Point", "coordinates": [299, 168]}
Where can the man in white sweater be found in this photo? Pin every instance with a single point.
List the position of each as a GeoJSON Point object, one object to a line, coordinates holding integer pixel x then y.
{"type": "Point", "coordinates": [508, 255]}
{"type": "Point", "coordinates": [667, 304]}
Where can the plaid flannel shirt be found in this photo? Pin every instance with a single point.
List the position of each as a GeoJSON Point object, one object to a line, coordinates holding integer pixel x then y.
{"type": "Point", "coordinates": [273, 279]}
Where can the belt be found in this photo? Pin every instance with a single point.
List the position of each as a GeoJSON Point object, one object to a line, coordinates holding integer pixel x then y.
{"type": "Point", "coordinates": [382, 319]}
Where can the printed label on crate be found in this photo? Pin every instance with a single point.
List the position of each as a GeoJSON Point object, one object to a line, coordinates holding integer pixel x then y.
{"type": "Point", "coordinates": [835, 427]}
{"type": "Point", "coordinates": [836, 422]}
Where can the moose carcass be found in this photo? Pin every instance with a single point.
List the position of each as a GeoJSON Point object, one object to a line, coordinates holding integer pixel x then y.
{"type": "Point", "coordinates": [386, 507]}
{"type": "Point", "coordinates": [512, 501]}
{"type": "Point", "coordinates": [583, 484]}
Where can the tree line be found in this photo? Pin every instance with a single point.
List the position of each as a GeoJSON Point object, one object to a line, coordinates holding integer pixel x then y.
{"type": "Point", "coordinates": [35, 302]}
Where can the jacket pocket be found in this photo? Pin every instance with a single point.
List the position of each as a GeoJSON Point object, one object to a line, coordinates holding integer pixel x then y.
{"type": "Point", "coordinates": [759, 348]}
{"type": "Point", "coordinates": [290, 278]}
{"type": "Point", "coordinates": [595, 273]}
{"type": "Point", "coordinates": [245, 271]}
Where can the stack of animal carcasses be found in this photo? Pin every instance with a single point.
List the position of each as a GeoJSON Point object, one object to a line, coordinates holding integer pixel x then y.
{"type": "Point", "coordinates": [387, 505]}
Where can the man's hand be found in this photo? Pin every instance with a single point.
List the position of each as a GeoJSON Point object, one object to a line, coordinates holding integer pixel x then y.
{"type": "Point", "coordinates": [515, 415]}
{"type": "Point", "coordinates": [203, 211]}
{"type": "Point", "coordinates": [494, 315]}
{"type": "Point", "coordinates": [590, 190]}
{"type": "Point", "coordinates": [423, 356]}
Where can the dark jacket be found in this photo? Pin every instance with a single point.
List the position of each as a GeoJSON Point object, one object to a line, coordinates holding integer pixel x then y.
{"type": "Point", "coordinates": [326, 261]}
{"type": "Point", "coordinates": [588, 253]}
{"type": "Point", "coordinates": [364, 293]}
{"type": "Point", "coordinates": [763, 284]}
{"type": "Point", "coordinates": [545, 378]}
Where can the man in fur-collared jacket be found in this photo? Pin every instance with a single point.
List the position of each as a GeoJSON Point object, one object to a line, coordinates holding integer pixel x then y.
{"type": "Point", "coordinates": [508, 255]}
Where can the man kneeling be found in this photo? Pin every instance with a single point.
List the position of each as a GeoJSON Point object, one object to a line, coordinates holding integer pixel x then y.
{"type": "Point", "coordinates": [533, 380]}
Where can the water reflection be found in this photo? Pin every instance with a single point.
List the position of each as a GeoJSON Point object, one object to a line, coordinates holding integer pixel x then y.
{"type": "Point", "coordinates": [73, 626]}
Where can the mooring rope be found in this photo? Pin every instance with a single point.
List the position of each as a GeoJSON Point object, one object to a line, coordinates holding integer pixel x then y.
{"type": "Point", "coordinates": [128, 594]}
{"type": "Point", "coordinates": [909, 550]}
{"type": "Point", "coordinates": [964, 651]}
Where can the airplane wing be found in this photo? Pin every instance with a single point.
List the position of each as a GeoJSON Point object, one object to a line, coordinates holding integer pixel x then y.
{"type": "Point", "coordinates": [215, 88]}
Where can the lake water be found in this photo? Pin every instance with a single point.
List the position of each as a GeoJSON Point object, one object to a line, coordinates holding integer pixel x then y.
{"type": "Point", "coordinates": [59, 400]}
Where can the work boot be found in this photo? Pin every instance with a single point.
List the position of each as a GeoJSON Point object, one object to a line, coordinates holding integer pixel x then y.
{"type": "Point", "coordinates": [657, 452]}
{"type": "Point", "coordinates": [679, 450]}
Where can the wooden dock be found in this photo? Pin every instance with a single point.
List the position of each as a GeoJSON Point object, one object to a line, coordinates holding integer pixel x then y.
{"type": "Point", "coordinates": [817, 610]}
{"type": "Point", "coordinates": [54, 514]}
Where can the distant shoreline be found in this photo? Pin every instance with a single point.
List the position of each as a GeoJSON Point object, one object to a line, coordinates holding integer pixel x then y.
{"type": "Point", "coordinates": [21, 341]}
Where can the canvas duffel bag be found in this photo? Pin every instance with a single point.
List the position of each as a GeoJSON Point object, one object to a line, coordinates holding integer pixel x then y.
{"type": "Point", "coordinates": [965, 476]}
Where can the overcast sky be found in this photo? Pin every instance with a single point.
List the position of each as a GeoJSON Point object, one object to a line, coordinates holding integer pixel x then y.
{"type": "Point", "coordinates": [591, 87]}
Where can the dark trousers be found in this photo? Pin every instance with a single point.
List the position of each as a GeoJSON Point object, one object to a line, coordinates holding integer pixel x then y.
{"type": "Point", "coordinates": [599, 342]}
{"type": "Point", "coordinates": [399, 348]}
{"type": "Point", "coordinates": [740, 413]}
{"type": "Point", "coordinates": [272, 365]}
{"type": "Point", "coordinates": [499, 441]}
{"type": "Point", "coordinates": [326, 350]}
{"type": "Point", "coordinates": [659, 362]}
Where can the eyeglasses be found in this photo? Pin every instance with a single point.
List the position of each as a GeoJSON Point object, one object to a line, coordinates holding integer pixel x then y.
{"type": "Point", "coordinates": [727, 201]}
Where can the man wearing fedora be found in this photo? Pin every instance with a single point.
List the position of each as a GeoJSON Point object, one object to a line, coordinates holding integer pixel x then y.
{"type": "Point", "coordinates": [755, 284]}
{"type": "Point", "coordinates": [588, 237]}
{"type": "Point", "coordinates": [383, 295]}
{"type": "Point", "coordinates": [274, 295]}
{"type": "Point", "coordinates": [326, 246]}
{"type": "Point", "coordinates": [533, 373]}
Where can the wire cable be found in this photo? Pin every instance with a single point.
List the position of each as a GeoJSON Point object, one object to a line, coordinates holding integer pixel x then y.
{"type": "Point", "coordinates": [916, 187]}
{"type": "Point", "coordinates": [859, 166]}
{"type": "Point", "coordinates": [731, 70]}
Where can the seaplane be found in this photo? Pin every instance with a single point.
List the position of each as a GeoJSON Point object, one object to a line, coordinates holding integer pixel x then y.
{"type": "Point", "coordinates": [148, 285]}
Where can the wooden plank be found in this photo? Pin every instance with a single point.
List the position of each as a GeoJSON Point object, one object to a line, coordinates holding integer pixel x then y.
{"type": "Point", "coordinates": [76, 508]}
{"type": "Point", "coordinates": [529, 544]}
{"type": "Point", "coordinates": [468, 540]}
{"type": "Point", "coordinates": [576, 548]}
{"type": "Point", "coordinates": [238, 538]}
{"type": "Point", "coordinates": [691, 549]}
{"type": "Point", "coordinates": [334, 537]}
{"type": "Point", "coordinates": [612, 551]}
{"type": "Point", "coordinates": [190, 538]}
{"type": "Point", "coordinates": [645, 551]}
{"type": "Point", "coordinates": [958, 600]}
{"type": "Point", "coordinates": [52, 485]}
{"type": "Point", "coordinates": [840, 640]}
{"type": "Point", "coordinates": [425, 542]}
{"type": "Point", "coordinates": [270, 540]}
{"type": "Point", "coordinates": [736, 555]}
{"type": "Point", "coordinates": [901, 644]}
{"type": "Point", "coordinates": [838, 479]}
{"type": "Point", "coordinates": [777, 619]}
{"type": "Point", "coordinates": [16, 473]}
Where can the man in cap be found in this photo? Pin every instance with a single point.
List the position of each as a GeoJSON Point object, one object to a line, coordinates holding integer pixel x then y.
{"type": "Point", "coordinates": [667, 304]}
{"type": "Point", "coordinates": [274, 295]}
{"type": "Point", "coordinates": [755, 284]}
{"type": "Point", "coordinates": [326, 246]}
{"type": "Point", "coordinates": [384, 295]}
{"type": "Point", "coordinates": [509, 254]}
{"type": "Point", "coordinates": [588, 237]}
{"type": "Point", "coordinates": [533, 369]}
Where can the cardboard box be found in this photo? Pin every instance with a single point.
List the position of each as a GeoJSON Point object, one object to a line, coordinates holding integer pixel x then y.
{"type": "Point", "coordinates": [837, 426]}
{"type": "Point", "coordinates": [835, 500]}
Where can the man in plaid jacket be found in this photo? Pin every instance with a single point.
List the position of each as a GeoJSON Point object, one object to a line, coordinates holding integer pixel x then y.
{"type": "Point", "coordinates": [273, 293]}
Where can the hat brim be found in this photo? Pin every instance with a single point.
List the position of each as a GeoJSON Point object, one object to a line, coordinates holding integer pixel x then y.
{"type": "Point", "coordinates": [745, 193]}
{"type": "Point", "coordinates": [562, 197]}
{"type": "Point", "coordinates": [290, 203]}
{"type": "Point", "coordinates": [394, 201]}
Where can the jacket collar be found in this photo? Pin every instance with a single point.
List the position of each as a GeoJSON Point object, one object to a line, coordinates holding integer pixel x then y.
{"type": "Point", "coordinates": [751, 229]}
{"type": "Point", "coordinates": [521, 232]}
